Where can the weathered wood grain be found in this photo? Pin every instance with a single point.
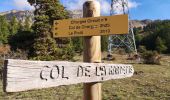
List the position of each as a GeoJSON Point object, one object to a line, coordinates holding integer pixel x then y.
{"type": "Point", "coordinates": [92, 51]}
{"type": "Point", "coordinates": [22, 75]}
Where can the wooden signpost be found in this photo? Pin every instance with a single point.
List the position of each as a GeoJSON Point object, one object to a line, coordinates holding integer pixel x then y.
{"type": "Point", "coordinates": [22, 75]}
{"type": "Point", "coordinates": [92, 26]}
{"type": "Point", "coordinates": [92, 52]}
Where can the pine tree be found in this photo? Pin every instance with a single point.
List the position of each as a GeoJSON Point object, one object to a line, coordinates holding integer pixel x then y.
{"type": "Point", "coordinates": [46, 11]}
{"type": "Point", "coordinates": [77, 44]}
{"type": "Point", "coordinates": [14, 25]}
{"type": "Point", "coordinates": [160, 47]}
{"type": "Point", "coordinates": [27, 24]}
{"type": "Point", "coordinates": [104, 43]}
{"type": "Point", "coordinates": [20, 26]}
{"type": "Point", "coordinates": [4, 31]}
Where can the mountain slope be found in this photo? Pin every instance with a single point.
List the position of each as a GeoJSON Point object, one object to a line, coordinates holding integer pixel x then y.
{"type": "Point", "coordinates": [21, 15]}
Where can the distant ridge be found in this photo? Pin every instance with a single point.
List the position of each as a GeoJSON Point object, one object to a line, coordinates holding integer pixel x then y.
{"type": "Point", "coordinates": [141, 23]}
{"type": "Point", "coordinates": [21, 15]}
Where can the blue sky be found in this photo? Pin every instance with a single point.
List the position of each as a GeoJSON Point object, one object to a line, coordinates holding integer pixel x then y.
{"type": "Point", "coordinates": [139, 9]}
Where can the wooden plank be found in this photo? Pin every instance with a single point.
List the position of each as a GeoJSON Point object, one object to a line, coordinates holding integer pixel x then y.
{"type": "Point", "coordinates": [22, 75]}
{"type": "Point", "coordinates": [92, 26]}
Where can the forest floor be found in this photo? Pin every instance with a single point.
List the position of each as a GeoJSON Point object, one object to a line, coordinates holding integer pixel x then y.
{"type": "Point", "coordinates": [150, 82]}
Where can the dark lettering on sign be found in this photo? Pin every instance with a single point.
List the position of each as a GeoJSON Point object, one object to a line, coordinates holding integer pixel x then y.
{"type": "Point", "coordinates": [83, 71]}
{"type": "Point", "coordinates": [101, 71]}
{"type": "Point", "coordinates": [104, 25]}
{"type": "Point", "coordinates": [130, 70]}
{"type": "Point", "coordinates": [89, 26]}
{"type": "Point", "coordinates": [105, 31]}
{"type": "Point", "coordinates": [89, 21]}
{"type": "Point", "coordinates": [116, 70]}
{"type": "Point", "coordinates": [87, 71]}
{"type": "Point", "coordinates": [80, 71]}
{"type": "Point", "coordinates": [122, 70]}
{"type": "Point", "coordinates": [78, 22]}
{"type": "Point", "coordinates": [54, 72]}
{"type": "Point", "coordinates": [76, 33]}
{"type": "Point", "coordinates": [92, 21]}
{"type": "Point", "coordinates": [93, 26]}
{"type": "Point", "coordinates": [59, 72]}
{"type": "Point", "coordinates": [71, 27]}
{"type": "Point", "coordinates": [78, 27]}
{"type": "Point", "coordinates": [63, 73]}
{"type": "Point", "coordinates": [42, 73]}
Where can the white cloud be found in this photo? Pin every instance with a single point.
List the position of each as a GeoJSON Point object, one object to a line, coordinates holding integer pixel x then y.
{"type": "Point", "coordinates": [105, 5]}
{"type": "Point", "coordinates": [133, 4]}
{"type": "Point", "coordinates": [73, 4]}
{"type": "Point", "coordinates": [22, 5]}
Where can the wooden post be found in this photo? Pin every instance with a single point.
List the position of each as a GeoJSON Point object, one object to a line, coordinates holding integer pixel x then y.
{"type": "Point", "coordinates": [92, 51]}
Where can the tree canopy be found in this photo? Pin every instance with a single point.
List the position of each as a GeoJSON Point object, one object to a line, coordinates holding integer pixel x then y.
{"type": "Point", "coordinates": [44, 47]}
{"type": "Point", "coordinates": [155, 36]}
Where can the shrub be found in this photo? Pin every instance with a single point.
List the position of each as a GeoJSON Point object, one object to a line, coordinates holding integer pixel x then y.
{"type": "Point", "coordinates": [68, 52]}
{"type": "Point", "coordinates": [142, 49]}
{"type": "Point", "coordinates": [151, 57]}
{"type": "Point", "coordinates": [18, 54]}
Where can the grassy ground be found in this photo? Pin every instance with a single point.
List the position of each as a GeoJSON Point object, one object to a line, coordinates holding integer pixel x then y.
{"type": "Point", "coordinates": [150, 82]}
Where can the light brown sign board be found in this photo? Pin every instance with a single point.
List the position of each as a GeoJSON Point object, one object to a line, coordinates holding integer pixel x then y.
{"type": "Point", "coordinates": [22, 75]}
{"type": "Point", "coordinates": [92, 26]}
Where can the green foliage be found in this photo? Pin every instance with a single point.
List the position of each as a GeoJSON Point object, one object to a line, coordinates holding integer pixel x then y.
{"type": "Point", "coordinates": [77, 44]}
{"type": "Point", "coordinates": [164, 34]}
{"type": "Point", "coordinates": [68, 51]}
{"type": "Point", "coordinates": [44, 47]}
{"type": "Point", "coordinates": [27, 24]}
{"type": "Point", "coordinates": [151, 57]}
{"type": "Point", "coordinates": [14, 26]}
{"type": "Point", "coordinates": [22, 40]}
{"type": "Point", "coordinates": [18, 54]}
{"type": "Point", "coordinates": [4, 31]}
{"type": "Point", "coordinates": [138, 39]}
{"type": "Point", "coordinates": [137, 30]}
{"type": "Point", "coordinates": [156, 36]}
{"type": "Point", "coordinates": [160, 45]}
{"type": "Point", "coordinates": [104, 43]}
{"type": "Point", "coordinates": [21, 26]}
{"type": "Point", "coordinates": [142, 49]}
{"type": "Point", "coordinates": [149, 41]}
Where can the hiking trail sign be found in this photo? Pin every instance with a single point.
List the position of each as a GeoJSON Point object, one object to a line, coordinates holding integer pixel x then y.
{"type": "Point", "coordinates": [22, 75]}
{"type": "Point", "coordinates": [91, 26]}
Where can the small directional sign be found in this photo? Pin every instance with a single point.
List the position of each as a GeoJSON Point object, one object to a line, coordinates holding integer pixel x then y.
{"type": "Point", "coordinates": [92, 26]}
{"type": "Point", "coordinates": [22, 75]}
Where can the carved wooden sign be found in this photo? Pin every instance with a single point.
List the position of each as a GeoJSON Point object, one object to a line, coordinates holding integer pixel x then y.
{"type": "Point", "coordinates": [22, 75]}
{"type": "Point", "coordinates": [91, 26]}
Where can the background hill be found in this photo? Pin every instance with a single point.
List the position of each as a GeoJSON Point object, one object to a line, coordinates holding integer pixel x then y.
{"type": "Point", "coordinates": [21, 15]}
